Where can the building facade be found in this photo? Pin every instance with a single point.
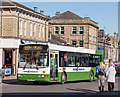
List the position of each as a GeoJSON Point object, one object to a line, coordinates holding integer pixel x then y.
{"type": "Point", "coordinates": [109, 45]}
{"type": "Point", "coordinates": [20, 24]}
{"type": "Point", "coordinates": [119, 51]}
{"type": "Point", "coordinates": [74, 29]}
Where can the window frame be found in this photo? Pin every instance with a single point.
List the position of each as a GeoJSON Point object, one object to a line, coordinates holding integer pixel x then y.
{"type": "Point", "coordinates": [30, 28]}
{"type": "Point", "coordinates": [20, 27]}
{"type": "Point", "coordinates": [25, 26]}
{"type": "Point", "coordinates": [81, 30]}
{"type": "Point", "coordinates": [34, 30]}
{"type": "Point", "coordinates": [61, 30]}
{"type": "Point", "coordinates": [75, 42]}
{"type": "Point", "coordinates": [78, 59]}
{"type": "Point", "coordinates": [79, 43]}
{"type": "Point", "coordinates": [43, 29]}
{"type": "Point", "coordinates": [39, 31]}
{"type": "Point", "coordinates": [74, 30]}
{"type": "Point", "coordinates": [56, 30]}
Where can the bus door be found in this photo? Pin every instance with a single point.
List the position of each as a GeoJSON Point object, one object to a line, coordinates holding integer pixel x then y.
{"type": "Point", "coordinates": [54, 66]}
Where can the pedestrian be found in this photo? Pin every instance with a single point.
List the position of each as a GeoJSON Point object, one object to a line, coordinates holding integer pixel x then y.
{"type": "Point", "coordinates": [101, 76]}
{"type": "Point", "coordinates": [110, 73]}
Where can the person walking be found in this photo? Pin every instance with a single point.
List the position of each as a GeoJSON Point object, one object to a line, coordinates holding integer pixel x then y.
{"type": "Point", "coordinates": [110, 73]}
{"type": "Point", "coordinates": [101, 76]}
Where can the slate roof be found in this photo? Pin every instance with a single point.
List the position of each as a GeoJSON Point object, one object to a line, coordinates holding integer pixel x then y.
{"type": "Point", "coordinates": [16, 4]}
{"type": "Point", "coordinates": [56, 40]}
{"type": "Point", "coordinates": [67, 15]}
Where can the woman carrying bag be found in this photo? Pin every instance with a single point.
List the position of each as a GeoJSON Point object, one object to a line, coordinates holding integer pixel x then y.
{"type": "Point", "coordinates": [101, 76]}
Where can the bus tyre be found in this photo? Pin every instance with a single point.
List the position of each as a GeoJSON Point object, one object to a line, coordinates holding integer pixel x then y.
{"type": "Point", "coordinates": [91, 76]}
{"type": "Point", "coordinates": [63, 78]}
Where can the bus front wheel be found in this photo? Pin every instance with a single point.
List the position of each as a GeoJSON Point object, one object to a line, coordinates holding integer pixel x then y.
{"type": "Point", "coordinates": [63, 78]}
{"type": "Point", "coordinates": [91, 76]}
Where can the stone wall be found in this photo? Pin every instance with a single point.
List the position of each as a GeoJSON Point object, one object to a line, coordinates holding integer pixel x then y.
{"type": "Point", "coordinates": [11, 24]}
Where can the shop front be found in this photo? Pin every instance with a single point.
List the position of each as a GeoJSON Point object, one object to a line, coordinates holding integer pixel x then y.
{"type": "Point", "coordinates": [9, 55]}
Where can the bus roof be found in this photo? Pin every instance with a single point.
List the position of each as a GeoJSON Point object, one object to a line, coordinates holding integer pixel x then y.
{"type": "Point", "coordinates": [73, 49]}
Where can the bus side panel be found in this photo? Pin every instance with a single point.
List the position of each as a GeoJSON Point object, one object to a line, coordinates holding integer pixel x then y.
{"type": "Point", "coordinates": [73, 76]}
{"type": "Point", "coordinates": [94, 71]}
{"type": "Point", "coordinates": [59, 76]}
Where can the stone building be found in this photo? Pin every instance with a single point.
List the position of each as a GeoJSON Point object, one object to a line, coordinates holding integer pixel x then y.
{"type": "Point", "coordinates": [119, 51]}
{"type": "Point", "coordinates": [109, 45]}
{"type": "Point", "coordinates": [74, 29]}
{"type": "Point", "coordinates": [20, 24]}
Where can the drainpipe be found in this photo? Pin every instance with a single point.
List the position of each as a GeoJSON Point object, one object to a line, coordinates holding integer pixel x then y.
{"type": "Point", "coordinates": [18, 26]}
{"type": "Point", "coordinates": [45, 30]}
{"type": "Point", "coordinates": [88, 37]}
{"type": "Point", "coordinates": [1, 24]}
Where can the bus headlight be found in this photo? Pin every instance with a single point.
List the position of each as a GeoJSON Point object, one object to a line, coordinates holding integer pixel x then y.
{"type": "Point", "coordinates": [21, 75]}
{"type": "Point", "coordinates": [39, 76]}
{"type": "Point", "coordinates": [42, 75]}
{"type": "Point", "coordinates": [18, 75]}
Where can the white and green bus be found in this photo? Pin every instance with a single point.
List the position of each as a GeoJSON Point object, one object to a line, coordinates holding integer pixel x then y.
{"type": "Point", "coordinates": [57, 63]}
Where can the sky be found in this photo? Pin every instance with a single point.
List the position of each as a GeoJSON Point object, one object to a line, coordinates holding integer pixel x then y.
{"type": "Point", "coordinates": [105, 13]}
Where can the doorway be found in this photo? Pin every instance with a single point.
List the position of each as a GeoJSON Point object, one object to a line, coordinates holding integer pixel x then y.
{"type": "Point", "coordinates": [8, 60]}
{"type": "Point", "coordinates": [54, 66]}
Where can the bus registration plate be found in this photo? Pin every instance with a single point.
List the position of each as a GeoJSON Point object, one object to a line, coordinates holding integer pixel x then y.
{"type": "Point", "coordinates": [30, 80]}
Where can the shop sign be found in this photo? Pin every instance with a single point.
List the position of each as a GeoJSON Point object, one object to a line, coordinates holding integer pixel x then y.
{"type": "Point", "coordinates": [8, 71]}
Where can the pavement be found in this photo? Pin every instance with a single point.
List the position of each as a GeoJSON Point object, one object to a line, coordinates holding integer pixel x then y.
{"type": "Point", "coordinates": [12, 87]}
{"type": "Point", "coordinates": [10, 77]}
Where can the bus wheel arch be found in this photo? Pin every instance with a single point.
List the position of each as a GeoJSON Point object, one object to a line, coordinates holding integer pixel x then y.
{"type": "Point", "coordinates": [91, 75]}
{"type": "Point", "coordinates": [63, 77]}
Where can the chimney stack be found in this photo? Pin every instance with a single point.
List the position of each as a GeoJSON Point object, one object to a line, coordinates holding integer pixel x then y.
{"type": "Point", "coordinates": [35, 8]}
{"type": "Point", "coordinates": [117, 37]}
{"type": "Point", "coordinates": [114, 35]}
{"type": "Point", "coordinates": [57, 13]}
{"type": "Point", "coordinates": [41, 11]}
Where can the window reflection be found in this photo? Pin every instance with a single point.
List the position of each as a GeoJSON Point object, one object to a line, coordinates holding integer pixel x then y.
{"type": "Point", "coordinates": [33, 59]}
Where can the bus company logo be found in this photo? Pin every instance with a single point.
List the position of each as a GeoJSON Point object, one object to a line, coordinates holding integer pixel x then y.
{"type": "Point", "coordinates": [78, 69]}
{"type": "Point", "coordinates": [31, 71]}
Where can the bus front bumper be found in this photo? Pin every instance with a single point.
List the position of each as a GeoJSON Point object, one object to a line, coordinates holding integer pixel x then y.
{"type": "Point", "coordinates": [34, 77]}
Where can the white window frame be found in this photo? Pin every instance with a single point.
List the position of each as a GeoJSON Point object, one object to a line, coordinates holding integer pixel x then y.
{"type": "Point", "coordinates": [74, 30]}
{"type": "Point", "coordinates": [81, 30]}
{"type": "Point", "coordinates": [20, 27]}
{"type": "Point", "coordinates": [56, 30]}
{"type": "Point", "coordinates": [24, 28]}
{"type": "Point", "coordinates": [39, 30]}
{"type": "Point", "coordinates": [30, 28]}
{"type": "Point", "coordinates": [34, 30]}
{"type": "Point", "coordinates": [61, 30]}
{"type": "Point", "coordinates": [43, 31]}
